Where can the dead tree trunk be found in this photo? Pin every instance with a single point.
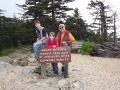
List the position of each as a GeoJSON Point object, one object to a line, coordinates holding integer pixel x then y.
{"type": "Point", "coordinates": [114, 27]}
{"type": "Point", "coordinates": [103, 23]}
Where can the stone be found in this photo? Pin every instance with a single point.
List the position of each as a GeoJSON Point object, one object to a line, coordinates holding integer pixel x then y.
{"type": "Point", "coordinates": [22, 63]}
{"type": "Point", "coordinates": [78, 85]}
{"type": "Point", "coordinates": [108, 49]}
{"type": "Point", "coordinates": [38, 70]}
{"type": "Point", "coordinates": [62, 83]}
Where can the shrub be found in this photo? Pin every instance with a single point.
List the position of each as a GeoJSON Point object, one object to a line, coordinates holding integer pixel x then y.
{"type": "Point", "coordinates": [86, 48]}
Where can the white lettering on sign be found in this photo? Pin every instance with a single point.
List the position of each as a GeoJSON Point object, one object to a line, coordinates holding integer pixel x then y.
{"type": "Point", "coordinates": [59, 54]}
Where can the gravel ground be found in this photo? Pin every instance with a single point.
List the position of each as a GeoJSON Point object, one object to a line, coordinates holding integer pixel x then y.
{"type": "Point", "coordinates": [85, 73]}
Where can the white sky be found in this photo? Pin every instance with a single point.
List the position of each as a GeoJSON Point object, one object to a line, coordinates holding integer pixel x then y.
{"type": "Point", "coordinates": [10, 8]}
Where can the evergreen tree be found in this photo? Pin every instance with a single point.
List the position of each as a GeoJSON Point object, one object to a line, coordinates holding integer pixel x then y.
{"type": "Point", "coordinates": [78, 26]}
{"type": "Point", "coordinates": [53, 8]}
{"type": "Point", "coordinates": [101, 21]}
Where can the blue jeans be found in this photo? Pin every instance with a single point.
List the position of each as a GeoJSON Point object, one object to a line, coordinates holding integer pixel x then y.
{"type": "Point", "coordinates": [36, 47]}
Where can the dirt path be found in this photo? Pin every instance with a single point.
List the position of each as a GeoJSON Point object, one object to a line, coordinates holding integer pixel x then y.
{"type": "Point", "coordinates": [85, 73]}
{"type": "Point", "coordinates": [97, 73]}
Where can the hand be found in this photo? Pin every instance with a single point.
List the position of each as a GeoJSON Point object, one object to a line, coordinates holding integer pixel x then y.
{"type": "Point", "coordinates": [54, 46]}
{"type": "Point", "coordinates": [64, 43]}
{"type": "Point", "coordinates": [38, 39]}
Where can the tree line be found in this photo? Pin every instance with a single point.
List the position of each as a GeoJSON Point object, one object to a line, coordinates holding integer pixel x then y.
{"type": "Point", "coordinates": [16, 32]}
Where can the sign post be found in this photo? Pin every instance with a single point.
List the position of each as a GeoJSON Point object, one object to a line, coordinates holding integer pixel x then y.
{"type": "Point", "coordinates": [55, 55]}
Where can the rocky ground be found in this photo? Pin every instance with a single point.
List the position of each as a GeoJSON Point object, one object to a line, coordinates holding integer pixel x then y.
{"type": "Point", "coordinates": [107, 49]}
{"type": "Point", "coordinates": [85, 73]}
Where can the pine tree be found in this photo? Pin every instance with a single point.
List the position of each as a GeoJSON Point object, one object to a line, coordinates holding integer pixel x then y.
{"type": "Point", "coordinates": [101, 21]}
{"type": "Point", "coordinates": [77, 25]}
{"type": "Point", "coordinates": [53, 8]}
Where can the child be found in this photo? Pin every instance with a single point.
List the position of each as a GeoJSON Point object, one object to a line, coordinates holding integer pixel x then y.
{"type": "Point", "coordinates": [52, 42]}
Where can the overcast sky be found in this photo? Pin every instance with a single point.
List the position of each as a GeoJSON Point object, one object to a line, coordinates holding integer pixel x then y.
{"type": "Point", "coordinates": [10, 8]}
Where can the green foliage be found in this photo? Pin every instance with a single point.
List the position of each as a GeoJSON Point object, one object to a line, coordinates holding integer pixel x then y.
{"type": "Point", "coordinates": [42, 8]}
{"type": "Point", "coordinates": [31, 50]}
{"type": "Point", "coordinates": [78, 27]}
{"type": "Point", "coordinates": [86, 49]}
{"type": "Point", "coordinates": [7, 51]}
{"type": "Point", "coordinates": [76, 51]}
{"type": "Point", "coordinates": [15, 32]}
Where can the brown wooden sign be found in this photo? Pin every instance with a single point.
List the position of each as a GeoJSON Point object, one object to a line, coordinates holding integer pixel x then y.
{"type": "Point", "coordinates": [52, 55]}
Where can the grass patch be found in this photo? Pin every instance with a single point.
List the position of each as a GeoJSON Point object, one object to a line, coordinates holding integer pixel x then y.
{"type": "Point", "coordinates": [7, 51]}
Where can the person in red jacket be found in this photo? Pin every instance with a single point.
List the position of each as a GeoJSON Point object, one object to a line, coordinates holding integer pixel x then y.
{"type": "Point", "coordinates": [52, 42]}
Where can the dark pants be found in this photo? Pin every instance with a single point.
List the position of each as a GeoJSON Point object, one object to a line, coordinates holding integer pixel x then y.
{"type": "Point", "coordinates": [55, 68]}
